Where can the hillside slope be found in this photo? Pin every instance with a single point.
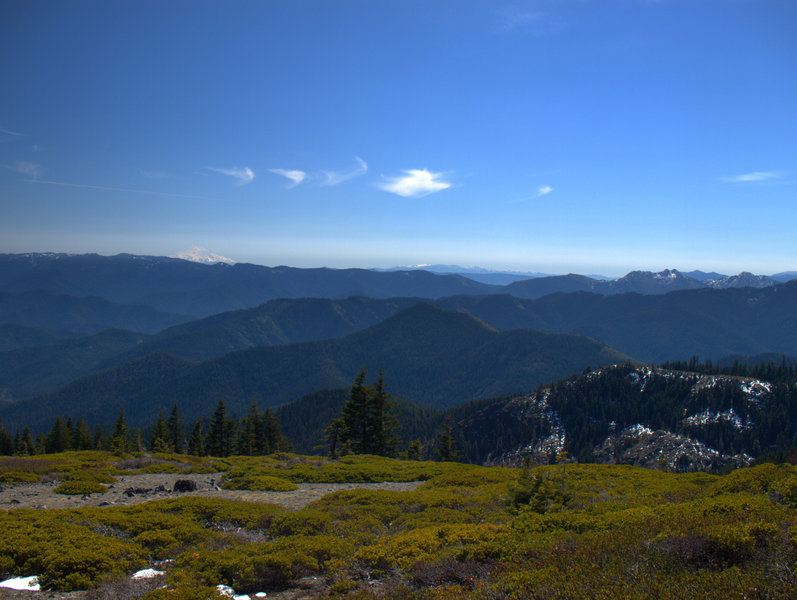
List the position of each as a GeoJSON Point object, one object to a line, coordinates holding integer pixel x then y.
{"type": "Point", "coordinates": [429, 355]}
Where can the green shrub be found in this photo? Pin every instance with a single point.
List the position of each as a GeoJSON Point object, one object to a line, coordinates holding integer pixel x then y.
{"type": "Point", "coordinates": [263, 483]}
{"type": "Point", "coordinates": [79, 487]}
{"type": "Point", "coordinates": [18, 477]}
{"type": "Point", "coordinates": [97, 476]}
{"type": "Point", "coordinates": [303, 522]}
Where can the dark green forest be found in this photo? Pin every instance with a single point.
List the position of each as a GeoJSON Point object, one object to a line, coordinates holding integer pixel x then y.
{"type": "Point", "coordinates": [734, 409]}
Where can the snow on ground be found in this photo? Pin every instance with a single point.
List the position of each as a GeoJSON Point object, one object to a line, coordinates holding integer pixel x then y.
{"type": "Point", "coordinates": [226, 590]}
{"type": "Point", "coordinates": [22, 583]}
{"type": "Point", "coordinates": [146, 574]}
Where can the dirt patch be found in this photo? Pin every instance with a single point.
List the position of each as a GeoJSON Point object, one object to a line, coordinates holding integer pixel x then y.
{"type": "Point", "coordinates": [159, 486]}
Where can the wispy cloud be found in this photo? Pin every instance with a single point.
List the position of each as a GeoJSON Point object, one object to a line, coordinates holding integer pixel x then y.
{"type": "Point", "coordinates": [415, 183]}
{"type": "Point", "coordinates": [104, 188]}
{"type": "Point", "coordinates": [294, 175]}
{"type": "Point", "coordinates": [751, 177]}
{"type": "Point", "coordinates": [30, 170]}
{"type": "Point", "coordinates": [543, 190]}
{"type": "Point", "coordinates": [336, 177]}
{"type": "Point", "coordinates": [9, 132]}
{"type": "Point", "coordinates": [242, 175]}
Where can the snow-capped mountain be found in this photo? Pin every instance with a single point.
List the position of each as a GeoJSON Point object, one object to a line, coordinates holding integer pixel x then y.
{"type": "Point", "coordinates": [742, 280]}
{"type": "Point", "coordinates": [203, 255]}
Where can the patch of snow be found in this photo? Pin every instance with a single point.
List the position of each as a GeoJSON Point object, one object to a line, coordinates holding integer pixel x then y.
{"type": "Point", "coordinates": [226, 590]}
{"type": "Point", "coordinates": [146, 574]}
{"type": "Point", "coordinates": [22, 583]}
{"type": "Point", "coordinates": [707, 417]}
{"type": "Point", "coordinates": [638, 430]}
{"type": "Point", "coordinates": [755, 389]}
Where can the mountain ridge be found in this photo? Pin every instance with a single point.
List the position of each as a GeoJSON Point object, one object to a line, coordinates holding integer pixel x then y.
{"type": "Point", "coordinates": [464, 359]}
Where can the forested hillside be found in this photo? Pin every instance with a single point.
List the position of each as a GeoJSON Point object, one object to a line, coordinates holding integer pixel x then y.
{"type": "Point", "coordinates": [431, 356]}
{"type": "Point", "coordinates": [684, 416]}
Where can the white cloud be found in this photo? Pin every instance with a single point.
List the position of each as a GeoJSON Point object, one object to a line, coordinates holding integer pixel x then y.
{"type": "Point", "coordinates": [334, 177]}
{"type": "Point", "coordinates": [9, 132]}
{"type": "Point", "coordinates": [294, 175]}
{"type": "Point", "coordinates": [542, 190]}
{"type": "Point", "coordinates": [29, 169]}
{"type": "Point", "coordinates": [416, 183]}
{"type": "Point", "coordinates": [243, 175]}
{"type": "Point", "coordinates": [748, 177]}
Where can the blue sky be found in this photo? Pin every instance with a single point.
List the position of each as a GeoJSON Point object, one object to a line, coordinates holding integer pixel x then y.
{"type": "Point", "coordinates": [557, 136]}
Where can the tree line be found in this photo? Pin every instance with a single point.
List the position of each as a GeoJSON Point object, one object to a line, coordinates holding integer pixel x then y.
{"type": "Point", "coordinates": [257, 433]}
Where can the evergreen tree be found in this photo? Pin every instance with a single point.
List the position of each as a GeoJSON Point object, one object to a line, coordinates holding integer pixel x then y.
{"type": "Point", "coordinates": [82, 438]}
{"type": "Point", "coordinates": [415, 450]}
{"type": "Point", "coordinates": [41, 444]}
{"type": "Point", "coordinates": [196, 443]}
{"type": "Point", "coordinates": [335, 433]}
{"type": "Point", "coordinates": [445, 443]}
{"type": "Point", "coordinates": [70, 427]}
{"type": "Point", "coordinates": [6, 442]}
{"type": "Point", "coordinates": [367, 423]}
{"type": "Point", "coordinates": [216, 442]}
{"type": "Point", "coordinates": [161, 436]}
{"type": "Point", "coordinates": [177, 436]}
{"type": "Point", "coordinates": [59, 438]}
{"type": "Point", "coordinates": [138, 444]}
{"type": "Point", "coordinates": [272, 436]}
{"type": "Point", "coordinates": [99, 441]}
{"type": "Point", "coordinates": [249, 429]}
{"type": "Point", "coordinates": [120, 440]}
{"type": "Point", "coordinates": [26, 447]}
{"type": "Point", "coordinates": [355, 416]}
{"type": "Point", "coordinates": [381, 422]}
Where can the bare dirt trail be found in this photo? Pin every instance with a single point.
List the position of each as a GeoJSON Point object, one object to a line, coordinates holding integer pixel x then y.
{"type": "Point", "coordinates": [41, 495]}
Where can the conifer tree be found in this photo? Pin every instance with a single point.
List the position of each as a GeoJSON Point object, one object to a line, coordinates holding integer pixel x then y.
{"type": "Point", "coordinates": [445, 443]}
{"type": "Point", "coordinates": [59, 438]}
{"type": "Point", "coordinates": [82, 438]}
{"type": "Point", "coordinates": [216, 442]}
{"type": "Point", "coordinates": [26, 447]}
{"type": "Point", "coordinates": [367, 423]}
{"type": "Point", "coordinates": [249, 429]}
{"type": "Point", "coordinates": [6, 442]}
{"type": "Point", "coordinates": [120, 441]}
{"type": "Point", "coordinates": [355, 416]}
{"type": "Point", "coordinates": [335, 433]}
{"type": "Point", "coordinates": [40, 446]}
{"type": "Point", "coordinates": [273, 438]}
{"type": "Point", "coordinates": [161, 436]}
{"type": "Point", "coordinates": [177, 436]}
{"type": "Point", "coordinates": [99, 441]}
{"type": "Point", "coordinates": [196, 443]}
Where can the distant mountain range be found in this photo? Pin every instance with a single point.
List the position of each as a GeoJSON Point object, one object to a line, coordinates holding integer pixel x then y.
{"type": "Point", "coordinates": [709, 323]}
{"type": "Point", "coordinates": [182, 289]}
{"type": "Point", "coordinates": [429, 355]}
